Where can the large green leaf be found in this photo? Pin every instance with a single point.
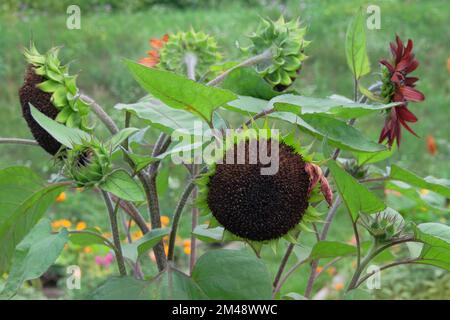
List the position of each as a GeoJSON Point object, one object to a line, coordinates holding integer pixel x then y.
{"type": "Point", "coordinates": [248, 82]}
{"type": "Point", "coordinates": [175, 285]}
{"type": "Point", "coordinates": [134, 250]}
{"type": "Point", "coordinates": [24, 198]}
{"type": "Point", "coordinates": [334, 105]}
{"type": "Point", "coordinates": [357, 198]}
{"type": "Point", "coordinates": [331, 249]}
{"type": "Point", "coordinates": [168, 119]}
{"type": "Point", "coordinates": [121, 184]}
{"type": "Point", "coordinates": [63, 134]}
{"type": "Point", "coordinates": [232, 274]}
{"type": "Point", "coordinates": [441, 186]}
{"type": "Point", "coordinates": [120, 137]}
{"type": "Point", "coordinates": [367, 158]}
{"type": "Point", "coordinates": [179, 92]}
{"type": "Point", "coordinates": [436, 244]}
{"type": "Point", "coordinates": [338, 133]}
{"type": "Point", "coordinates": [355, 46]}
{"type": "Point", "coordinates": [34, 255]}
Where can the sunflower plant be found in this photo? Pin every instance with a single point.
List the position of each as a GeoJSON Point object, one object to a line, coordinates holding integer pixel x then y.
{"type": "Point", "coordinates": [268, 170]}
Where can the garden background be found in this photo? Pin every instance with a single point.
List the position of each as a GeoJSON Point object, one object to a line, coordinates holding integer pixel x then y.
{"type": "Point", "coordinates": [112, 30]}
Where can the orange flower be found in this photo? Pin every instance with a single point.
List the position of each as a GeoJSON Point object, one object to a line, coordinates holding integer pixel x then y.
{"type": "Point", "coordinates": [187, 250]}
{"type": "Point", "coordinates": [339, 286]}
{"type": "Point", "coordinates": [87, 250]}
{"type": "Point", "coordinates": [159, 43]}
{"type": "Point", "coordinates": [61, 197]}
{"type": "Point", "coordinates": [187, 243]}
{"type": "Point", "coordinates": [165, 220]}
{"type": "Point", "coordinates": [331, 271]}
{"type": "Point", "coordinates": [65, 223]}
{"type": "Point", "coordinates": [81, 225]}
{"type": "Point", "coordinates": [319, 269]}
{"type": "Point", "coordinates": [431, 145]}
{"type": "Point", "coordinates": [153, 55]}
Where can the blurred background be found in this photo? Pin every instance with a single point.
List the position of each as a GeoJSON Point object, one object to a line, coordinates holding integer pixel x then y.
{"type": "Point", "coordinates": [114, 29]}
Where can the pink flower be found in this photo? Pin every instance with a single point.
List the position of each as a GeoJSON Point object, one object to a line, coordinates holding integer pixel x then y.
{"type": "Point", "coordinates": [104, 261]}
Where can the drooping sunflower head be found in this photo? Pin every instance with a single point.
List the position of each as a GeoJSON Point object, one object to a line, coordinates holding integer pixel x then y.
{"type": "Point", "coordinates": [286, 42]}
{"type": "Point", "coordinates": [203, 46]}
{"type": "Point", "coordinates": [254, 206]}
{"type": "Point", "coordinates": [50, 89]}
{"type": "Point", "coordinates": [88, 163]}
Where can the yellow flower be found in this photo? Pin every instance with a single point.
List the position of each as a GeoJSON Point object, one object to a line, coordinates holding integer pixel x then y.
{"type": "Point", "coordinates": [81, 225]}
{"type": "Point", "coordinates": [56, 224]}
{"type": "Point", "coordinates": [187, 250]}
{"type": "Point", "coordinates": [136, 235]}
{"type": "Point", "coordinates": [66, 223]}
{"type": "Point", "coordinates": [61, 197]}
{"type": "Point", "coordinates": [165, 221]}
{"type": "Point", "coordinates": [424, 192]}
{"type": "Point", "coordinates": [339, 286]}
{"type": "Point", "coordinates": [87, 250]}
{"type": "Point", "coordinates": [166, 249]}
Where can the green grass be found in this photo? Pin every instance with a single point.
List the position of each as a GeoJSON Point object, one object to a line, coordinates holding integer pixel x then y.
{"type": "Point", "coordinates": [104, 39]}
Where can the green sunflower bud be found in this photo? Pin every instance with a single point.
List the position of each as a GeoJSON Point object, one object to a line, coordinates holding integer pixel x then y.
{"type": "Point", "coordinates": [202, 45]}
{"type": "Point", "coordinates": [88, 163]}
{"type": "Point", "coordinates": [357, 171]}
{"type": "Point", "coordinates": [286, 42]}
{"type": "Point", "coordinates": [50, 89]}
{"type": "Point", "coordinates": [384, 226]}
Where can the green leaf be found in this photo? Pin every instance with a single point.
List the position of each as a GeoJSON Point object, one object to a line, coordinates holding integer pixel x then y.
{"type": "Point", "coordinates": [175, 285]}
{"type": "Point", "coordinates": [34, 255]}
{"type": "Point", "coordinates": [335, 105]}
{"type": "Point", "coordinates": [374, 157]}
{"type": "Point", "coordinates": [123, 288]}
{"type": "Point", "coordinates": [165, 118]}
{"type": "Point", "coordinates": [87, 239]}
{"type": "Point", "coordinates": [441, 186]}
{"type": "Point", "coordinates": [24, 198]}
{"type": "Point", "coordinates": [206, 234]}
{"type": "Point", "coordinates": [232, 274]}
{"type": "Point", "coordinates": [248, 82]}
{"type": "Point", "coordinates": [331, 249]}
{"type": "Point", "coordinates": [293, 296]}
{"type": "Point", "coordinates": [141, 161]}
{"type": "Point", "coordinates": [121, 184]}
{"type": "Point", "coordinates": [357, 198]}
{"type": "Point", "coordinates": [134, 250]}
{"type": "Point", "coordinates": [63, 134]}
{"type": "Point", "coordinates": [179, 92]}
{"type": "Point", "coordinates": [120, 137]}
{"type": "Point", "coordinates": [436, 248]}
{"type": "Point", "coordinates": [355, 46]}
{"type": "Point", "coordinates": [338, 133]}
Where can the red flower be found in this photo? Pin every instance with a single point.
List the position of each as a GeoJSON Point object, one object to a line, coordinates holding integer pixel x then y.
{"type": "Point", "coordinates": [398, 87]}
{"type": "Point", "coordinates": [153, 55]}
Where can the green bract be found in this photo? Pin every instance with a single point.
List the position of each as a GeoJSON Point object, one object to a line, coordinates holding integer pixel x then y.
{"type": "Point", "coordinates": [286, 43]}
{"type": "Point", "coordinates": [72, 111]}
{"type": "Point", "coordinates": [202, 45]}
{"type": "Point", "coordinates": [88, 163]}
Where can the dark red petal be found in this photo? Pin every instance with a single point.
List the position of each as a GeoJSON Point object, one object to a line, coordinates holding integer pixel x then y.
{"type": "Point", "coordinates": [383, 134]}
{"type": "Point", "coordinates": [387, 65]}
{"type": "Point", "coordinates": [410, 81]}
{"type": "Point", "coordinates": [412, 66]}
{"type": "Point", "coordinates": [399, 49]}
{"type": "Point", "coordinates": [404, 114]}
{"type": "Point", "coordinates": [407, 127]}
{"type": "Point", "coordinates": [411, 94]}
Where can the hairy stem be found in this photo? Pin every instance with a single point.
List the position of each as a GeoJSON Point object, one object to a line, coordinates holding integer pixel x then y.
{"type": "Point", "coordinates": [265, 56]}
{"type": "Point", "coordinates": [100, 113]}
{"type": "Point", "coordinates": [115, 232]}
{"type": "Point", "coordinates": [284, 262]}
{"type": "Point", "coordinates": [178, 211]}
{"type": "Point", "coordinates": [18, 141]}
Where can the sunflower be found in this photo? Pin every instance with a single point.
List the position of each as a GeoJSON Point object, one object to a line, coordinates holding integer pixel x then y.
{"type": "Point", "coordinates": [399, 87]}
{"type": "Point", "coordinates": [260, 208]}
